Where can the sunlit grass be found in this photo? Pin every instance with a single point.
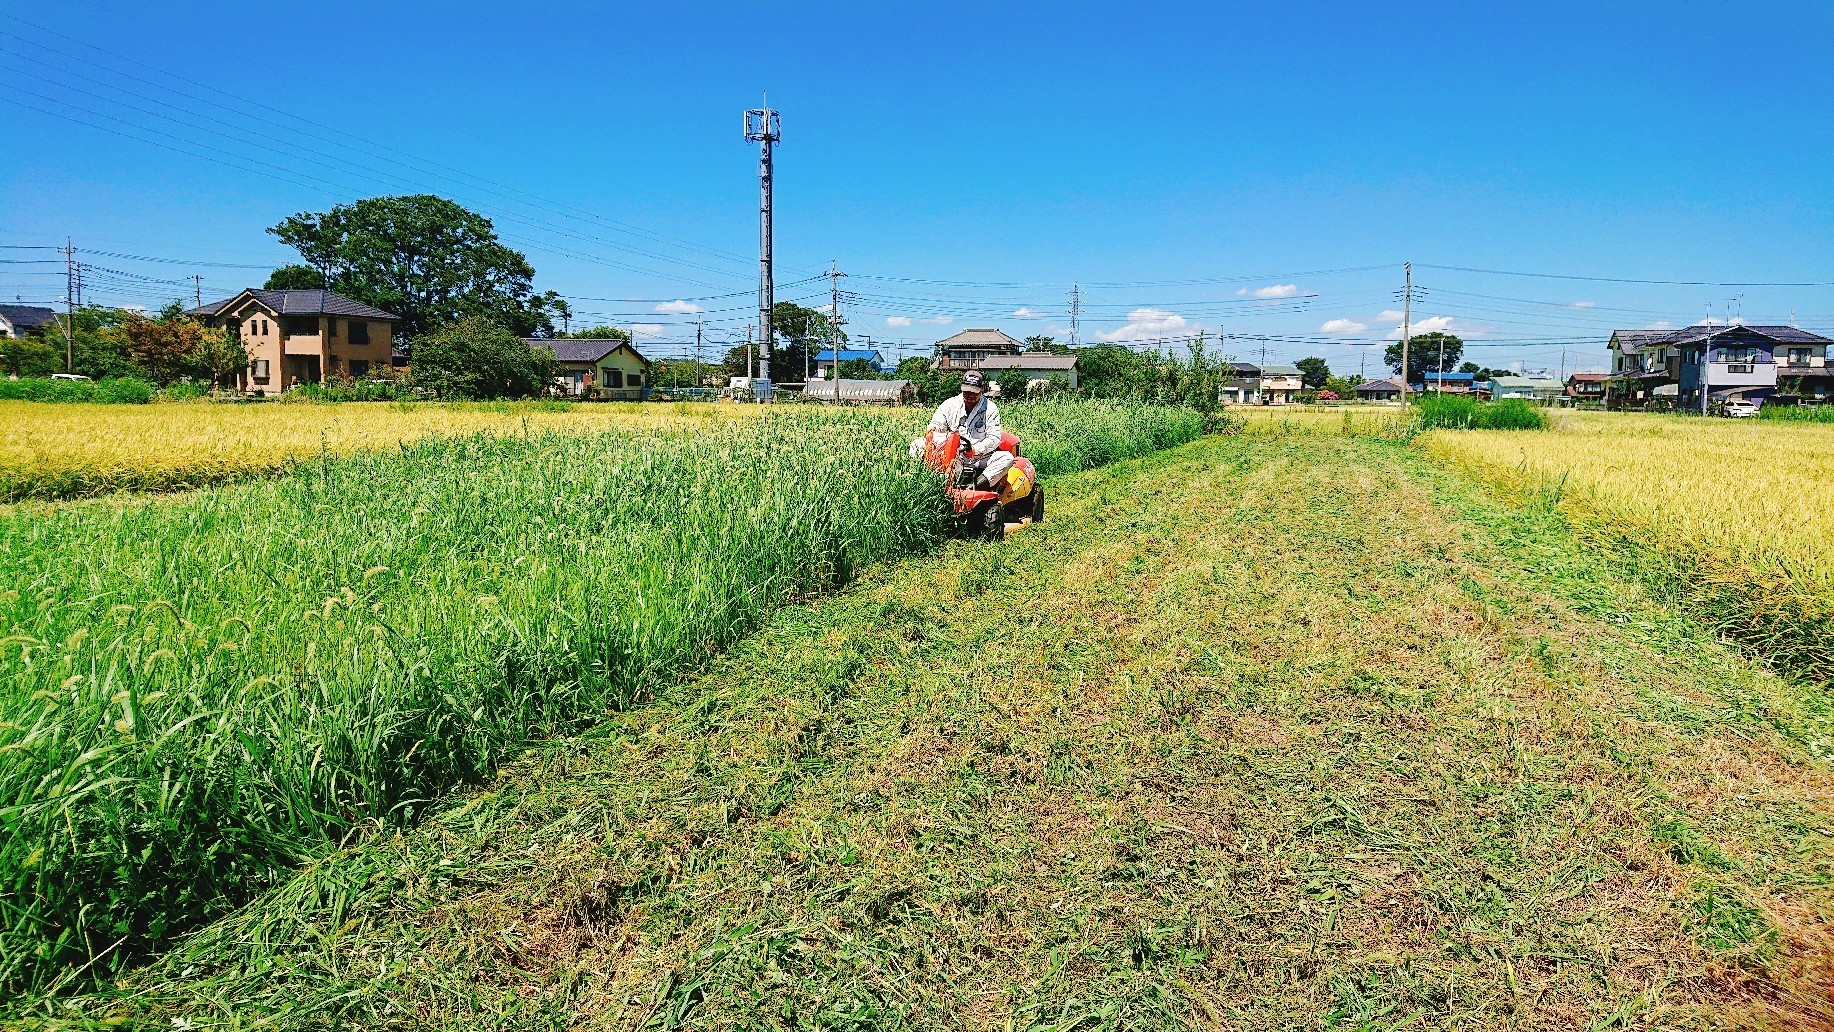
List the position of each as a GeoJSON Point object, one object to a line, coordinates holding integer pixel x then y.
{"type": "Point", "coordinates": [68, 450]}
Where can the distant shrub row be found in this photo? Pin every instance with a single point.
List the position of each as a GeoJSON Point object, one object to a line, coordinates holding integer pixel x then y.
{"type": "Point", "coordinates": [122, 391]}
{"type": "Point", "coordinates": [1455, 412]}
{"type": "Point", "coordinates": [1798, 413]}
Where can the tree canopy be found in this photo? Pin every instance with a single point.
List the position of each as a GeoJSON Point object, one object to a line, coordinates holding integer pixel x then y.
{"type": "Point", "coordinates": [1314, 373]}
{"type": "Point", "coordinates": [599, 333]}
{"type": "Point", "coordinates": [473, 357]}
{"type": "Point", "coordinates": [1423, 355]}
{"type": "Point", "coordinates": [426, 259]}
{"type": "Point", "coordinates": [295, 277]}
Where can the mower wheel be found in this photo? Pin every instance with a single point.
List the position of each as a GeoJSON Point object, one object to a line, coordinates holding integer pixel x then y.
{"type": "Point", "coordinates": [988, 522]}
{"type": "Point", "coordinates": [1037, 504]}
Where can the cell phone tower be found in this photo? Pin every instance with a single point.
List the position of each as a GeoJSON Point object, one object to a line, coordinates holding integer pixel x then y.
{"type": "Point", "coordinates": [761, 125]}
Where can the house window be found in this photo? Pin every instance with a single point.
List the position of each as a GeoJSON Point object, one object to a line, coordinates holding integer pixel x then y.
{"type": "Point", "coordinates": [1741, 355]}
{"type": "Point", "coordinates": [299, 325]}
{"type": "Point", "coordinates": [359, 367]}
{"type": "Point", "coordinates": [614, 378]}
{"type": "Point", "coordinates": [1798, 356]}
{"type": "Point", "coordinates": [260, 367]}
{"type": "Point", "coordinates": [359, 332]}
{"type": "Point", "coordinates": [331, 328]}
{"type": "Point", "coordinates": [636, 379]}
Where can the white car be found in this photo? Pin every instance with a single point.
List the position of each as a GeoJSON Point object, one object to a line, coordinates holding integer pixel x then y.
{"type": "Point", "coordinates": [70, 376]}
{"type": "Point", "coordinates": [1741, 409]}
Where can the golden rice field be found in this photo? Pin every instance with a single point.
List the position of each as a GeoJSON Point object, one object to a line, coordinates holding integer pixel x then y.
{"type": "Point", "coordinates": [63, 451]}
{"type": "Point", "coordinates": [1755, 490]}
{"type": "Point", "coordinates": [1347, 420]}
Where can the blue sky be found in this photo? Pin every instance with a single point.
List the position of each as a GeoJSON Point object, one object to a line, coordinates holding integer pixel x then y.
{"type": "Point", "coordinates": [1258, 171]}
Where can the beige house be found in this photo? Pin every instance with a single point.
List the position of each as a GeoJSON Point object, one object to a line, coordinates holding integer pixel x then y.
{"type": "Point", "coordinates": [969, 348]}
{"type": "Point", "coordinates": [303, 336]}
{"type": "Point", "coordinates": [597, 369]}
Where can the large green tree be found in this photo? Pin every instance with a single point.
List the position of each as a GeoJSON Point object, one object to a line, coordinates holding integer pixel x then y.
{"type": "Point", "coordinates": [473, 357]}
{"type": "Point", "coordinates": [426, 259]}
{"type": "Point", "coordinates": [801, 333]}
{"type": "Point", "coordinates": [1423, 355]}
{"type": "Point", "coordinates": [599, 333]}
{"type": "Point", "coordinates": [295, 277]}
{"type": "Point", "coordinates": [1314, 373]}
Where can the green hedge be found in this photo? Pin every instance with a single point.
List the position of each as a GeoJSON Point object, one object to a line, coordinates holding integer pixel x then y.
{"type": "Point", "coordinates": [124, 391]}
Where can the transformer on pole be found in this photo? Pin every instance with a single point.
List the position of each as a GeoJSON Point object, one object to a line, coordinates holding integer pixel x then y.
{"type": "Point", "coordinates": [761, 125]}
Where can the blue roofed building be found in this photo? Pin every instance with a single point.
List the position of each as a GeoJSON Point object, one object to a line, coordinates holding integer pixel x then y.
{"type": "Point", "coordinates": [824, 362]}
{"type": "Point", "coordinates": [1449, 383]}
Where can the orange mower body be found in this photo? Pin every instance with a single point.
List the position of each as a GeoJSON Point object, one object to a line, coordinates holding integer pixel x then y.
{"type": "Point", "coordinates": [1018, 502]}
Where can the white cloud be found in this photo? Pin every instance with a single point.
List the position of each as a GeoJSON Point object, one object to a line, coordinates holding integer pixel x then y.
{"type": "Point", "coordinates": [1393, 315]}
{"type": "Point", "coordinates": [938, 320]}
{"type": "Point", "coordinates": [1585, 304]}
{"type": "Point", "coordinates": [1275, 290]}
{"type": "Point", "coordinates": [646, 329]}
{"type": "Point", "coordinates": [1030, 313]}
{"type": "Point", "coordinates": [1149, 322]}
{"type": "Point", "coordinates": [1437, 324]}
{"type": "Point", "coordinates": [678, 308]}
{"type": "Point", "coordinates": [1342, 326]}
{"type": "Point", "coordinates": [897, 320]}
{"type": "Point", "coordinates": [1660, 324]}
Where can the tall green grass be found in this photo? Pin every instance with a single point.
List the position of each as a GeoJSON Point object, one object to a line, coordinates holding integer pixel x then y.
{"type": "Point", "coordinates": [124, 391]}
{"type": "Point", "coordinates": [202, 694]}
{"type": "Point", "coordinates": [1798, 413]}
{"type": "Point", "coordinates": [1458, 412]}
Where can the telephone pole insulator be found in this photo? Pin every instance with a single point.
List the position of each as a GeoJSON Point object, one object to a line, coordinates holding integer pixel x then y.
{"type": "Point", "coordinates": [761, 125]}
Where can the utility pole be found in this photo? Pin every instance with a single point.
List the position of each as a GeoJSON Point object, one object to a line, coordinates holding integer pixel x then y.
{"type": "Point", "coordinates": [700, 366]}
{"type": "Point", "coordinates": [834, 324]}
{"type": "Point", "coordinates": [1706, 358]}
{"type": "Point", "coordinates": [1440, 380]}
{"type": "Point", "coordinates": [749, 368]}
{"type": "Point", "coordinates": [761, 125]}
{"type": "Point", "coordinates": [1076, 313]}
{"type": "Point", "coordinates": [69, 306]}
{"type": "Point", "coordinates": [197, 283]}
{"type": "Point", "coordinates": [1407, 325]}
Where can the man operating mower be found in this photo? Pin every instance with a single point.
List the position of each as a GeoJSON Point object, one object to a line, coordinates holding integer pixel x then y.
{"type": "Point", "coordinates": [974, 415]}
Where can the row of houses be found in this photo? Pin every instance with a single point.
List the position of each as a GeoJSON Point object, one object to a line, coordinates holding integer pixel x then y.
{"type": "Point", "coordinates": [1579, 388]}
{"type": "Point", "coordinates": [1719, 363]}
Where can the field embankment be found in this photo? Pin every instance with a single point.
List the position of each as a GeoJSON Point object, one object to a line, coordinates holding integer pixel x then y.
{"type": "Point", "coordinates": [1730, 513]}
{"type": "Point", "coordinates": [200, 696]}
{"type": "Point", "coordinates": [1257, 733]}
{"type": "Point", "coordinates": [51, 451]}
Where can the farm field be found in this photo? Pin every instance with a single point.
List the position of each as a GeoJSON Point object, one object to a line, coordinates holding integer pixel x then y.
{"type": "Point", "coordinates": [196, 697]}
{"type": "Point", "coordinates": [1735, 511]}
{"type": "Point", "coordinates": [1257, 733]}
{"type": "Point", "coordinates": [63, 450]}
{"type": "Point", "coordinates": [1279, 420]}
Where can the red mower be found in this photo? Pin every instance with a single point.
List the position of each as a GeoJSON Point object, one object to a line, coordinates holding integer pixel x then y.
{"type": "Point", "coordinates": [985, 514]}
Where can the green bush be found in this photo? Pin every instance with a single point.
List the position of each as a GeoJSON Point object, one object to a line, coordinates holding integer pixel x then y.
{"type": "Point", "coordinates": [344, 388]}
{"type": "Point", "coordinates": [1461, 412]}
{"type": "Point", "coordinates": [118, 391]}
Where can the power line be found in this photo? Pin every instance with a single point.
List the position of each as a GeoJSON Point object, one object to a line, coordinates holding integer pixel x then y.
{"type": "Point", "coordinates": [1624, 279]}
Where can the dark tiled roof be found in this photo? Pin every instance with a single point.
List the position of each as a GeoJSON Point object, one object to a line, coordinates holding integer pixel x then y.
{"type": "Point", "coordinates": [1636, 340]}
{"type": "Point", "coordinates": [1379, 385]}
{"type": "Point", "coordinates": [28, 317]}
{"type": "Point", "coordinates": [302, 302]}
{"type": "Point", "coordinates": [580, 349]}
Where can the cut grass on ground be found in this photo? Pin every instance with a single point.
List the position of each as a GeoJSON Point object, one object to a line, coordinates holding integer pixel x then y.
{"type": "Point", "coordinates": [1225, 743]}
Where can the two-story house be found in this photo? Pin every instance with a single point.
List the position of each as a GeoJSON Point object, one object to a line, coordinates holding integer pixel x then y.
{"type": "Point", "coordinates": [1281, 384]}
{"type": "Point", "coordinates": [24, 320]}
{"type": "Point", "coordinates": [295, 337]}
{"type": "Point", "coordinates": [967, 349]}
{"type": "Point", "coordinates": [1752, 363]}
{"type": "Point", "coordinates": [1587, 387]}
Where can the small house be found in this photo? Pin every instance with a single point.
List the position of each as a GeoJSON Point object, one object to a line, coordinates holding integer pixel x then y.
{"type": "Point", "coordinates": [1036, 365]}
{"type": "Point", "coordinates": [1379, 390]}
{"type": "Point", "coordinates": [597, 369]}
{"type": "Point", "coordinates": [824, 361]}
{"type": "Point", "coordinates": [1527, 388]}
{"type": "Point", "coordinates": [25, 320]}
{"type": "Point", "coordinates": [1449, 383]}
{"type": "Point", "coordinates": [1587, 387]}
{"type": "Point", "coordinates": [1281, 384]}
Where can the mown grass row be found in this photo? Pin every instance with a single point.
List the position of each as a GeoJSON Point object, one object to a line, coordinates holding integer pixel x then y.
{"type": "Point", "coordinates": [204, 694]}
